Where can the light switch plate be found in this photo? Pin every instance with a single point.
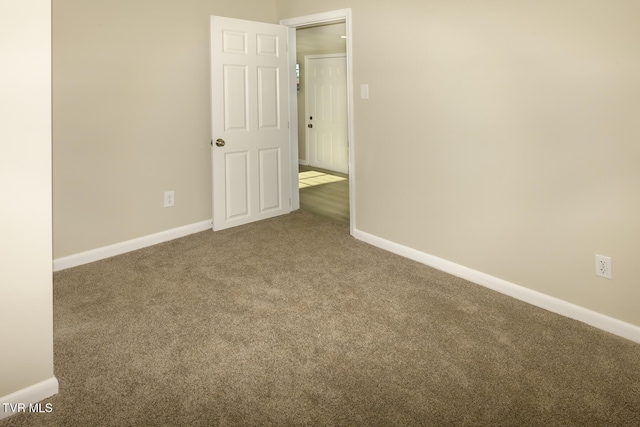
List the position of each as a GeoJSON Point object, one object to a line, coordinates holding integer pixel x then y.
{"type": "Point", "coordinates": [364, 91]}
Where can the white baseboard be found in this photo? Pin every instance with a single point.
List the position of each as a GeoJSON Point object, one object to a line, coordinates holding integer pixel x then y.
{"type": "Point", "coordinates": [303, 162]}
{"type": "Point", "coordinates": [27, 396]}
{"type": "Point", "coordinates": [555, 305]}
{"type": "Point", "coordinates": [128, 246]}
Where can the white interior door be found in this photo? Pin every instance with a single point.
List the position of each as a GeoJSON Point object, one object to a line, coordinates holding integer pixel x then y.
{"type": "Point", "coordinates": [326, 111]}
{"type": "Point", "coordinates": [250, 110]}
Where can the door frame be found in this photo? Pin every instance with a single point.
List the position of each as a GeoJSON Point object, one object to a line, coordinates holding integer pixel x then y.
{"type": "Point", "coordinates": [305, 21]}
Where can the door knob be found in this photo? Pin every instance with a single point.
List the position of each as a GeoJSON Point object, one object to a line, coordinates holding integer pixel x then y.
{"type": "Point", "coordinates": [309, 125]}
{"type": "Point", "coordinates": [220, 142]}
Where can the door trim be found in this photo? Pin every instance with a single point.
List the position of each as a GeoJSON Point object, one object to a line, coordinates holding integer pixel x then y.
{"type": "Point", "coordinates": [303, 21]}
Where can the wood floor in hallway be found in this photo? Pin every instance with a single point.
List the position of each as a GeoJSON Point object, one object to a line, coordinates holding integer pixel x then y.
{"type": "Point", "coordinates": [324, 192]}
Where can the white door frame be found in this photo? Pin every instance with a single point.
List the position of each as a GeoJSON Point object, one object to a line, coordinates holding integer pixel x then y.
{"type": "Point", "coordinates": [304, 21]}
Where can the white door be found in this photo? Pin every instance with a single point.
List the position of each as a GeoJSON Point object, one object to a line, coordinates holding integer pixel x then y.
{"type": "Point", "coordinates": [250, 111]}
{"type": "Point", "coordinates": [326, 111]}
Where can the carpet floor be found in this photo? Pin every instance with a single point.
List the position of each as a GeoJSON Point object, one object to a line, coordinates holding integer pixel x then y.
{"type": "Point", "coordinates": [291, 321]}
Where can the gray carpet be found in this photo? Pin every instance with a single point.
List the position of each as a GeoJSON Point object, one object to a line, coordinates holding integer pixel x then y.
{"type": "Point", "coordinates": [291, 321]}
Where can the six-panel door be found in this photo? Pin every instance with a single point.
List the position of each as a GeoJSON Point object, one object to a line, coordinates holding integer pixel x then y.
{"type": "Point", "coordinates": [249, 105]}
{"type": "Point", "coordinates": [326, 111]}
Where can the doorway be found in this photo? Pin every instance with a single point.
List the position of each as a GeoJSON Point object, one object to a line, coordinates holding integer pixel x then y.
{"type": "Point", "coordinates": [325, 176]}
{"type": "Point", "coordinates": [322, 121]}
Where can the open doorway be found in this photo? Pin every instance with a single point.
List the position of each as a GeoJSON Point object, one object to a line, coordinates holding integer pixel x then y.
{"type": "Point", "coordinates": [323, 142]}
{"type": "Point", "coordinates": [326, 178]}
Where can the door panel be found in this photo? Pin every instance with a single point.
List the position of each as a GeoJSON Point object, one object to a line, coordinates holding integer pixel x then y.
{"type": "Point", "coordinates": [249, 106]}
{"type": "Point", "coordinates": [268, 98]}
{"type": "Point", "coordinates": [234, 41]}
{"type": "Point", "coordinates": [326, 112]}
{"type": "Point", "coordinates": [270, 167]}
{"type": "Point", "coordinates": [236, 113]}
{"type": "Point", "coordinates": [237, 185]}
{"type": "Point", "coordinates": [267, 45]}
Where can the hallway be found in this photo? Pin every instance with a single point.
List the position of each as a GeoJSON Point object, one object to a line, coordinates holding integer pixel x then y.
{"type": "Point", "coordinates": [324, 192]}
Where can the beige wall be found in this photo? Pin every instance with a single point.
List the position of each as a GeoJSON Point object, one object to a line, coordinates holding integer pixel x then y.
{"type": "Point", "coordinates": [131, 116]}
{"type": "Point", "coordinates": [26, 302]}
{"type": "Point", "coordinates": [502, 136]}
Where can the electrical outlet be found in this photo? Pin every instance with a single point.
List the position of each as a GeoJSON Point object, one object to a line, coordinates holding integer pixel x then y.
{"type": "Point", "coordinates": [603, 266]}
{"type": "Point", "coordinates": [169, 199]}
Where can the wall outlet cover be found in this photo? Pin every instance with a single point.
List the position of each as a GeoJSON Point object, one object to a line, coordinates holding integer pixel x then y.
{"type": "Point", "coordinates": [603, 266]}
{"type": "Point", "coordinates": [169, 199]}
